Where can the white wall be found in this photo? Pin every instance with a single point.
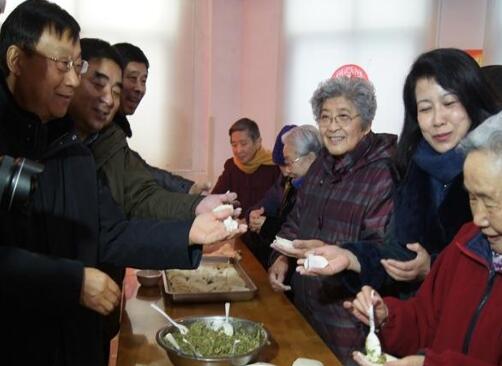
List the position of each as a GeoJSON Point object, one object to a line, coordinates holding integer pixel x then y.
{"type": "Point", "coordinates": [493, 31]}
{"type": "Point", "coordinates": [462, 23]}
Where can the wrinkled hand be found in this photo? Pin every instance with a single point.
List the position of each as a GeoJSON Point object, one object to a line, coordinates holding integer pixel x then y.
{"type": "Point", "coordinates": [208, 228]}
{"type": "Point", "coordinates": [339, 260]}
{"type": "Point", "coordinates": [277, 274]}
{"type": "Point", "coordinates": [99, 292]}
{"type": "Point", "coordinates": [256, 219]}
{"type": "Point", "coordinates": [300, 247]}
{"type": "Point", "coordinates": [200, 188]}
{"type": "Point", "coordinates": [212, 201]}
{"type": "Point", "coordinates": [359, 307]}
{"type": "Point", "coordinates": [416, 269]}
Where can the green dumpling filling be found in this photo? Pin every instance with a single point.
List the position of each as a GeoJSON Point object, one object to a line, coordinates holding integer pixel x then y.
{"type": "Point", "coordinates": [373, 356]}
{"type": "Point", "coordinates": [215, 343]}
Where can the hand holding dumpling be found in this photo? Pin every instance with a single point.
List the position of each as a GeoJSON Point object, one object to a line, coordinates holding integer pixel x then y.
{"type": "Point", "coordinates": [339, 260]}
{"type": "Point", "coordinates": [209, 227]}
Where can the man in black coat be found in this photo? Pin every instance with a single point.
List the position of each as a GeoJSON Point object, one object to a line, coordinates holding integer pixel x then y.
{"type": "Point", "coordinates": [51, 294]}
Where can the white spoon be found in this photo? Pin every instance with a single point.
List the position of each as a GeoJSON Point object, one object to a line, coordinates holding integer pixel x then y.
{"type": "Point", "coordinates": [183, 330]}
{"type": "Point", "coordinates": [228, 329]}
{"type": "Point", "coordinates": [236, 341]}
{"type": "Point", "coordinates": [373, 347]}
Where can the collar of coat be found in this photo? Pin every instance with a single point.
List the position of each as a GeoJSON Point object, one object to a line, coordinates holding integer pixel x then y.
{"type": "Point", "coordinates": [25, 133]}
{"type": "Point", "coordinates": [371, 148]}
{"type": "Point", "coordinates": [107, 143]}
{"type": "Point", "coordinates": [122, 121]}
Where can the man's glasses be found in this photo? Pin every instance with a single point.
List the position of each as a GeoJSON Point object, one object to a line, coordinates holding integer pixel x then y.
{"type": "Point", "coordinates": [343, 119]}
{"type": "Point", "coordinates": [66, 64]}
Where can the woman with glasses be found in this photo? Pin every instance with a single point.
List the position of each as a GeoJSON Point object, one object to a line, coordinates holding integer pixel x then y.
{"type": "Point", "coordinates": [346, 196]}
{"type": "Point", "coordinates": [295, 150]}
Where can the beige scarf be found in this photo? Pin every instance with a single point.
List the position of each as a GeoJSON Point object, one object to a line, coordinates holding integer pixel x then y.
{"type": "Point", "coordinates": [262, 157]}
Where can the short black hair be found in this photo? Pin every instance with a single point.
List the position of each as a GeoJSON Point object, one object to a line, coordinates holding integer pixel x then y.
{"type": "Point", "coordinates": [248, 125]}
{"type": "Point", "coordinates": [26, 23]}
{"type": "Point", "coordinates": [94, 48]}
{"type": "Point", "coordinates": [131, 53]}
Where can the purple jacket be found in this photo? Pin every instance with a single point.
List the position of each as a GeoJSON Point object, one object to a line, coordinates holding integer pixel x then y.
{"type": "Point", "coordinates": [349, 199]}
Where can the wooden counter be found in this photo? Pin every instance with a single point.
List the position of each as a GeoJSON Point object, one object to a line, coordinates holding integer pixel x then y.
{"type": "Point", "coordinates": [292, 336]}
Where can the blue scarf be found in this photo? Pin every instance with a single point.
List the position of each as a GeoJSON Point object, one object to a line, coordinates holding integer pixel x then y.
{"type": "Point", "coordinates": [442, 168]}
{"type": "Point", "coordinates": [298, 182]}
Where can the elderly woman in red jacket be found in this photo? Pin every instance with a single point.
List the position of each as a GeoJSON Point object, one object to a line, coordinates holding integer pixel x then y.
{"type": "Point", "coordinates": [455, 318]}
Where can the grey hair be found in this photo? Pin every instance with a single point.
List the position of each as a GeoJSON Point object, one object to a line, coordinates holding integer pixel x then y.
{"type": "Point", "coordinates": [486, 137]}
{"type": "Point", "coordinates": [358, 91]}
{"type": "Point", "coordinates": [305, 139]}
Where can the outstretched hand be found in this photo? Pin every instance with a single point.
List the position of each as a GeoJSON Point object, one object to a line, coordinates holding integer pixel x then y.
{"type": "Point", "coordinates": [415, 269]}
{"type": "Point", "coordinates": [300, 247]}
{"type": "Point", "coordinates": [200, 188]}
{"type": "Point", "coordinates": [339, 260]}
{"type": "Point", "coordinates": [208, 228]}
{"type": "Point", "coordinates": [212, 201]}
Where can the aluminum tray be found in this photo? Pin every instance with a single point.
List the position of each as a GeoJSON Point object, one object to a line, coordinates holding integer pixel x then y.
{"type": "Point", "coordinates": [240, 295]}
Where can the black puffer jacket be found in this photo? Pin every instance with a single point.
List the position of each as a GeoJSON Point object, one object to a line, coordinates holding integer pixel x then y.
{"type": "Point", "coordinates": [71, 222]}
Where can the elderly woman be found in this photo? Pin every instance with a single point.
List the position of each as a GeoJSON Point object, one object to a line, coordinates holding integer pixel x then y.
{"type": "Point", "coordinates": [346, 196]}
{"type": "Point", "coordinates": [295, 150]}
{"type": "Point", "coordinates": [455, 317]}
{"type": "Point", "coordinates": [445, 96]}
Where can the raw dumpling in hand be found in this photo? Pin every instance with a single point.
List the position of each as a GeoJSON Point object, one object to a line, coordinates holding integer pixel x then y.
{"type": "Point", "coordinates": [284, 244]}
{"type": "Point", "coordinates": [229, 222]}
{"type": "Point", "coordinates": [315, 261]}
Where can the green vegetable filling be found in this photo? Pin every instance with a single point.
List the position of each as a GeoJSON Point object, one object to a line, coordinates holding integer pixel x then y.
{"type": "Point", "coordinates": [211, 343]}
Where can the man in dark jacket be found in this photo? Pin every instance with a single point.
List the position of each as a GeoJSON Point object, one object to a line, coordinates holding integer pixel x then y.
{"type": "Point", "coordinates": [132, 186]}
{"type": "Point", "coordinates": [136, 66]}
{"type": "Point", "coordinates": [49, 250]}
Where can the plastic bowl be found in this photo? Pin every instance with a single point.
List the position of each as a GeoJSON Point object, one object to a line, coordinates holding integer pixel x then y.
{"type": "Point", "coordinates": [179, 358]}
{"type": "Point", "coordinates": [148, 277]}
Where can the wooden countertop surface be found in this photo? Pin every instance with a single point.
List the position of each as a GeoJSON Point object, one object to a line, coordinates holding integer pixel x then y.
{"type": "Point", "coordinates": [292, 336]}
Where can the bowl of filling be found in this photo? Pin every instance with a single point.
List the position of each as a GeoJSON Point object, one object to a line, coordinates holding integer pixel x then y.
{"type": "Point", "coordinates": [208, 343]}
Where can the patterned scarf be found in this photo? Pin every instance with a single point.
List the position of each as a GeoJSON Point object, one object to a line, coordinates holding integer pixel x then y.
{"type": "Point", "coordinates": [497, 261]}
{"type": "Point", "coordinates": [262, 157]}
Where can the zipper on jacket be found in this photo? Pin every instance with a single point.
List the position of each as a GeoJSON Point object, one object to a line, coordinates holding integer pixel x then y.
{"type": "Point", "coordinates": [475, 317]}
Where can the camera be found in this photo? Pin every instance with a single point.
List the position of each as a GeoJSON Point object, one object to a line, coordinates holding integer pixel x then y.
{"type": "Point", "coordinates": [17, 180]}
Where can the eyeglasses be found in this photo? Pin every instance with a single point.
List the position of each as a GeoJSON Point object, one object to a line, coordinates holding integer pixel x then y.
{"type": "Point", "coordinates": [292, 162]}
{"type": "Point", "coordinates": [65, 64]}
{"type": "Point", "coordinates": [342, 119]}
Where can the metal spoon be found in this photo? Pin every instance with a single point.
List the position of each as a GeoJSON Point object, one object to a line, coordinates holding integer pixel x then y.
{"type": "Point", "coordinates": [183, 330]}
{"type": "Point", "coordinates": [228, 329]}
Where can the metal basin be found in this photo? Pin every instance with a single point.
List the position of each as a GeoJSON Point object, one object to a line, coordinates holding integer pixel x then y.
{"type": "Point", "coordinates": [179, 358]}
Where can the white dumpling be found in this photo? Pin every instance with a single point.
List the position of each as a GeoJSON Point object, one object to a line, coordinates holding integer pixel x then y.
{"type": "Point", "coordinates": [284, 243]}
{"type": "Point", "coordinates": [315, 261]}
